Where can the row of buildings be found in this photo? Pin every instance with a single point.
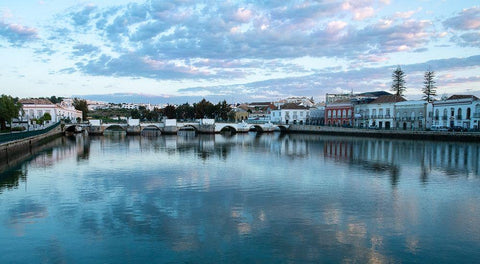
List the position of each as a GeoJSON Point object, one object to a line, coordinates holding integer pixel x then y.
{"type": "Point", "coordinates": [379, 110]}
{"type": "Point", "coordinates": [382, 110]}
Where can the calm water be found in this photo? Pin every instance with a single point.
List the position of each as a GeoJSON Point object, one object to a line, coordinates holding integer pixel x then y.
{"type": "Point", "coordinates": [243, 198]}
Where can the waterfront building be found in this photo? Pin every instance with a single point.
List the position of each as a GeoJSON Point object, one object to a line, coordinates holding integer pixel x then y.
{"type": "Point", "coordinates": [239, 114]}
{"type": "Point", "coordinates": [317, 115]}
{"type": "Point", "coordinates": [259, 110]}
{"type": "Point", "coordinates": [290, 113]}
{"type": "Point", "coordinates": [339, 113]}
{"type": "Point", "coordinates": [36, 108]}
{"type": "Point", "coordinates": [378, 113]}
{"type": "Point", "coordinates": [413, 115]}
{"type": "Point", "coordinates": [457, 111]}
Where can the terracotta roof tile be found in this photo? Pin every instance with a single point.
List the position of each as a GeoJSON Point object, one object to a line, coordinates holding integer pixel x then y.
{"type": "Point", "coordinates": [462, 96]}
{"type": "Point", "coordinates": [40, 101]}
{"type": "Point", "coordinates": [388, 99]}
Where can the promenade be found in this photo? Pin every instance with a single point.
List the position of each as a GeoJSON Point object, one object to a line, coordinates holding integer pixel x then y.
{"type": "Point", "coordinates": [397, 134]}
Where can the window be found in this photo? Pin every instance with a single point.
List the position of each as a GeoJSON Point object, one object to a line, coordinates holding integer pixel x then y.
{"type": "Point", "coordinates": [387, 112]}
{"type": "Point", "coordinates": [344, 113]}
{"type": "Point", "coordinates": [349, 113]}
{"type": "Point", "coordinates": [469, 113]}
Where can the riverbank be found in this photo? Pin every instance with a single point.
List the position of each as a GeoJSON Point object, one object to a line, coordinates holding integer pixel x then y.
{"type": "Point", "coordinates": [16, 149]}
{"type": "Point", "coordinates": [395, 134]}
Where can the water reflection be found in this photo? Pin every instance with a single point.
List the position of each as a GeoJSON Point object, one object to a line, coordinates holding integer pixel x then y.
{"type": "Point", "coordinates": [244, 198]}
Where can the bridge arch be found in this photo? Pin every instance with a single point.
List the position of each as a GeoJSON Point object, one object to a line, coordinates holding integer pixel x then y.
{"type": "Point", "coordinates": [114, 128]}
{"type": "Point", "coordinates": [70, 128]}
{"type": "Point", "coordinates": [282, 128]}
{"type": "Point", "coordinates": [188, 127]}
{"type": "Point", "coordinates": [228, 129]}
{"type": "Point", "coordinates": [257, 128]}
{"type": "Point", "coordinates": [151, 131]}
{"type": "Point", "coordinates": [151, 127]}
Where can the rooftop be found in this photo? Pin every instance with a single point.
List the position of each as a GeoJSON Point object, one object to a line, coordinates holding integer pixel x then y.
{"type": "Point", "coordinates": [462, 96]}
{"type": "Point", "coordinates": [388, 99]}
{"type": "Point", "coordinates": [35, 101]}
{"type": "Point", "coordinates": [293, 106]}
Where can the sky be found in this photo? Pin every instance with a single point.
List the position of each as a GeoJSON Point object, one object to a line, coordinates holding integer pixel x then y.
{"type": "Point", "coordinates": [243, 50]}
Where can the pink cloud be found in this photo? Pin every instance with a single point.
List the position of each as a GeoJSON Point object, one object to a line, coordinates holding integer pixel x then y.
{"type": "Point", "coordinates": [243, 15]}
{"type": "Point", "coordinates": [363, 13]}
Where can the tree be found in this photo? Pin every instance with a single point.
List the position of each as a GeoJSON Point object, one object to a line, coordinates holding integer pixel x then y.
{"type": "Point", "coordinates": [81, 105]}
{"type": "Point", "coordinates": [55, 100]}
{"type": "Point", "coordinates": [222, 110]}
{"type": "Point", "coordinates": [429, 88]}
{"type": "Point", "coordinates": [204, 109]}
{"type": "Point", "coordinates": [169, 111]}
{"type": "Point", "coordinates": [185, 111]}
{"type": "Point", "coordinates": [47, 117]}
{"type": "Point", "coordinates": [135, 114]}
{"type": "Point", "coordinates": [9, 108]}
{"type": "Point", "coordinates": [398, 84]}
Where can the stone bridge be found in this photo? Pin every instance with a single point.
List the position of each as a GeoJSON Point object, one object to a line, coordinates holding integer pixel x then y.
{"type": "Point", "coordinates": [177, 126]}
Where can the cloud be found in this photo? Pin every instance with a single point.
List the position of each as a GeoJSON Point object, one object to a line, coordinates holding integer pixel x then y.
{"type": "Point", "coordinates": [82, 17]}
{"type": "Point", "coordinates": [467, 19]}
{"type": "Point", "coordinates": [17, 34]}
{"type": "Point", "coordinates": [358, 80]}
{"type": "Point", "coordinates": [84, 49]}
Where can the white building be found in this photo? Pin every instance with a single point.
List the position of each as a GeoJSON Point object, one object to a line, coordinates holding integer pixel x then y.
{"type": "Point", "coordinates": [378, 113]}
{"type": "Point", "coordinates": [457, 110]}
{"type": "Point", "coordinates": [95, 105]}
{"type": "Point", "coordinates": [290, 114]}
{"type": "Point", "coordinates": [413, 115]}
{"type": "Point", "coordinates": [36, 108]}
{"type": "Point", "coordinates": [130, 106]}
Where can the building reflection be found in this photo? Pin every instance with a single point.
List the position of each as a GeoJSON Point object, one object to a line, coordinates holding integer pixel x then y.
{"type": "Point", "coordinates": [453, 159]}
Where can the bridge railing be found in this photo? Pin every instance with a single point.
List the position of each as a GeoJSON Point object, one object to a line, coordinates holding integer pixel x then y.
{"type": "Point", "coordinates": [21, 135]}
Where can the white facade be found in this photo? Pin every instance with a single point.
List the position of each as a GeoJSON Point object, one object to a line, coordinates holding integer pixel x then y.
{"type": "Point", "coordinates": [375, 115]}
{"type": "Point", "coordinates": [36, 108]}
{"type": "Point", "coordinates": [459, 111]}
{"type": "Point", "coordinates": [130, 106]}
{"type": "Point", "coordinates": [413, 115]}
{"type": "Point", "coordinates": [289, 116]}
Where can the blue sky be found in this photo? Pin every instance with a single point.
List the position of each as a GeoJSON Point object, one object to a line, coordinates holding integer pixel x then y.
{"type": "Point", "coordinates": [247, 50]}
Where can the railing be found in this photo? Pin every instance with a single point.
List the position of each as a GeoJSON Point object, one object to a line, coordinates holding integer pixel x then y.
{"type": "Point", "coordinates": [21, 135]}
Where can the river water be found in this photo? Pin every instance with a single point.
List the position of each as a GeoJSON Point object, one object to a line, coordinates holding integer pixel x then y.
{"type": "Point", "coordinates": [244, 198]}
